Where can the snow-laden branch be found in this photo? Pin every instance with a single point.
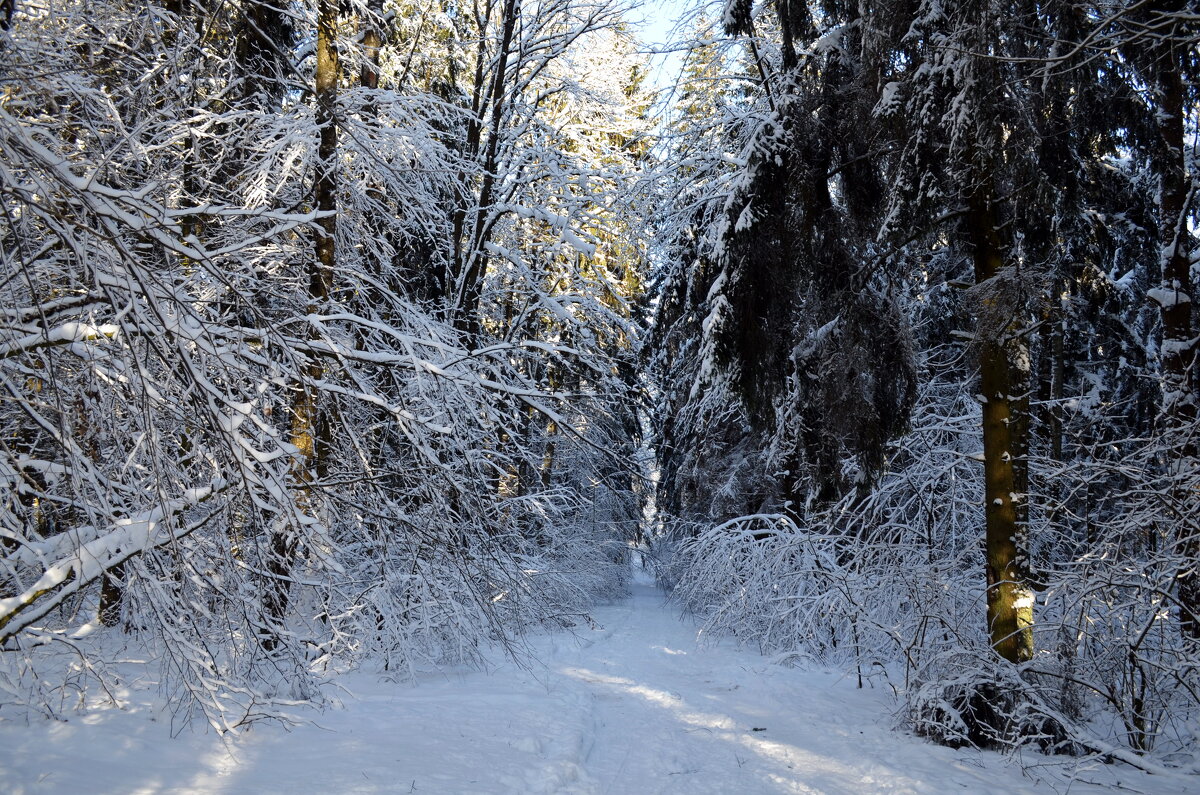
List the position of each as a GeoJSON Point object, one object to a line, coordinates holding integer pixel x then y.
{"type": "Point", "coordinates": [66, 334]}
{"type": "Point", "coordinates": [82, 566]}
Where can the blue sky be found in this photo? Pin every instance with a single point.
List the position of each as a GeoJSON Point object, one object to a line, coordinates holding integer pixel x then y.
{"type": "Point", "coordinates": [654, 20]}
{"type": "Point", "coordinates": [658, 17]}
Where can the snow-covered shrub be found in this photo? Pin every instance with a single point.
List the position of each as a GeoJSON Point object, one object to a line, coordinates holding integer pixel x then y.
{"type": "Point", "coordinates": [238, 464]}
{"type": "Point", "coordinates": [893, 585]}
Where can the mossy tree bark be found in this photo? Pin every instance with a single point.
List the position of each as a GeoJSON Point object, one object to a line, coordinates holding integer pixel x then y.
{"type": "Point", "coordinates": [1003, 370]}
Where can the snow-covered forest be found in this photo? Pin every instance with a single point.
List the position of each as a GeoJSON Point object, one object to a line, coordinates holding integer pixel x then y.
{"type": "Point", "coordinates": [392, 338]}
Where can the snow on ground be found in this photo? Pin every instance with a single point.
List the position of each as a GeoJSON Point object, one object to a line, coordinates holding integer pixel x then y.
{"type": "Point", "coordinates": [632, 706]}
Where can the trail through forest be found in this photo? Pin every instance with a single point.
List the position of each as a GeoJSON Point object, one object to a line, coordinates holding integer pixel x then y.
{"type": "Point", "coordinates": [631, 705]}
{"type": "Point", "coordinates": [361, 337]}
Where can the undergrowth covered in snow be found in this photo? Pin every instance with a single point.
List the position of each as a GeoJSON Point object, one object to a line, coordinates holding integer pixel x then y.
{"type": "Point", "coordinates": [888, 587]}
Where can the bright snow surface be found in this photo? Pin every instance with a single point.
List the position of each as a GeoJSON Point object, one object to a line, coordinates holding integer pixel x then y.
{"type": "Point", "coordinates": [632, 706]}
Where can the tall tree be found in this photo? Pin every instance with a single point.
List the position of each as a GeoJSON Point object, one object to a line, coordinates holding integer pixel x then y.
{"type": "Point", "coordinates": [1159, 40]}
{"type": "Point", "coordinates": [310, 429]}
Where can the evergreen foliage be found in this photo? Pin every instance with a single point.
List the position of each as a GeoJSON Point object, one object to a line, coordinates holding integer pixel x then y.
{"type": "Point", "coordinates": [948, 227]}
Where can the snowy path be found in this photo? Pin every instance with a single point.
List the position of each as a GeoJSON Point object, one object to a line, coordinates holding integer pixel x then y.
{"type": "Point", "coordinates": [629, 707]}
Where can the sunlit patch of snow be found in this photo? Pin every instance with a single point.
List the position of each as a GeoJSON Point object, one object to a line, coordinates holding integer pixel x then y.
{"type": "Point", "coordinates": [631, 705]}
{"type": "Point", "coordinates": [665, 650]}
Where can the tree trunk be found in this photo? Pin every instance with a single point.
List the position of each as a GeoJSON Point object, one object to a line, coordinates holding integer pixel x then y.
{"type": "Point", "coordinates": [372, 41]}
{"type": "Point", "coordinates": [1173, 297]}
{"type": "Point", "coordinates": [1003, 376]}
{"type": "Point", "coordinates": [471, 288]}
{"type": "Point", "coordinates": [112, 593]}
{"type": "Point", "coordinates": [309, 433]}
